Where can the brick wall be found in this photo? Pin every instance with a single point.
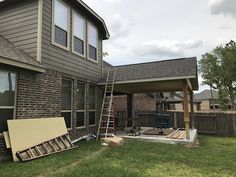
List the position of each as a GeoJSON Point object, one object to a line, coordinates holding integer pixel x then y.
{"type": "Point", "coordinates": [38, 95]}
{"type": "Point", "coordinates": [120, 103]}
{"type": "Point", "coordinates": [141, 101]}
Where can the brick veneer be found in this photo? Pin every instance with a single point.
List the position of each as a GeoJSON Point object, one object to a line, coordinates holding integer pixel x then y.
{"type": "Point", "coordinates": [39, 96]}
{"type": "Point", "coordinates": [141, 102]}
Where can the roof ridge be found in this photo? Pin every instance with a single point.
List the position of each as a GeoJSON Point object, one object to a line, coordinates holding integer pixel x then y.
{"type": "Point", "coordinates": [159, 61]}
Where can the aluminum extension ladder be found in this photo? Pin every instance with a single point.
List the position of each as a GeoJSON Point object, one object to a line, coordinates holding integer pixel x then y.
{"type": "Point", "coordinates": [107, 117]}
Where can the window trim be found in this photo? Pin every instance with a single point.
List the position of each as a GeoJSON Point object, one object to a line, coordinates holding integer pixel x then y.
{"type": "Point", "coordinates": [85, 102]}
{"type": "Point", "coordinates": [15, 96]}
{"type": "Point", "coordinates": [90, 59]}
{"type": "Point", "coordinates": [95, 110]}
{"type": "Point", "coordinates": [71, 110]}
{"type": "Point", "coordinates": [84, 35]}
{"type": "Point", "coordinates": [53, 26]}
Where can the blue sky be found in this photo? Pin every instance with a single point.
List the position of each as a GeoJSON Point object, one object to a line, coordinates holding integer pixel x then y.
{"type": "Point", "coordinates": [153, 30]}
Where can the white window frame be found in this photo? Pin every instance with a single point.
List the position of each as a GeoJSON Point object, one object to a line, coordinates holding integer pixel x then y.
{"type": "Point", "coordinates": [91, 125]}
{"type": "Point", "coordinates": [85, 96]}
{"type": "Point", "coordinates": [53, 26]}
{"type": "Point", "coordinates": [84, 35]}
{"type": "Point", "coordinates": [71, 110]}
{"type": "Point", "coordinates": [91, 59]}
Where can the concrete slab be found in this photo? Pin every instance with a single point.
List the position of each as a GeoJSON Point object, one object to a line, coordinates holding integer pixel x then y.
{"type": "Point", "coordinates": [159, 138]}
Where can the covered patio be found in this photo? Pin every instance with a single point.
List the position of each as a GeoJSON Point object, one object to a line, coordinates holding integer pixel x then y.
{"type": "Point", "coordinates": [161, 76]}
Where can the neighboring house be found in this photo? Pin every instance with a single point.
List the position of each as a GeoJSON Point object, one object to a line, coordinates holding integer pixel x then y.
{"type": "Point", "coordinates": [209, 99]}
{"type": "Point", "coordinates": [177, 102]}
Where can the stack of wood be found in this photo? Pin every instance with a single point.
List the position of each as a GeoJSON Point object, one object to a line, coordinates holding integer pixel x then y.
{"type": "Point", "coordinates": [178, 134]}
{"type": "Point", "coordinates": [113, 141]}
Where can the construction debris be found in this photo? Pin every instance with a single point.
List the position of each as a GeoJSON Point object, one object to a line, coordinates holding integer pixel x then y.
{"type": "Point", "coordinates": [113, 141]}
{"type": "Point", "coordinates": [7, 139]}
{"type": "Point", "coordinates": [52, 146]}
{"type": "Point", "coordinates": [178, 134]}
{"type": "Point", "coordinates": [26, 133]}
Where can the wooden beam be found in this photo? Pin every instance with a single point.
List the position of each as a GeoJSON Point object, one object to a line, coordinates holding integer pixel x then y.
{"type": "Point", "coordinates": [185, 106]}
{"type": "Point", "coordinates": [189, 85]}
{"type": "Point", "coordinates": [192, 109]}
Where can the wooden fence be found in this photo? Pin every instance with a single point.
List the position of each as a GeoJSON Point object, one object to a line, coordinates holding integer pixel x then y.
{"type": "Point", "coordinates": [218, 123]}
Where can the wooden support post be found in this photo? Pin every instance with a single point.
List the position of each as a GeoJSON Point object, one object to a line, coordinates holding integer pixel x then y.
{"type": "Point", "coordinates": [175, 121]}
{"type": "Point", "coordinates": [185, 106]}
{"type": "Point", "coordinates": [129, 109]}
{"type": "Point", "coordinates": [192, 109]}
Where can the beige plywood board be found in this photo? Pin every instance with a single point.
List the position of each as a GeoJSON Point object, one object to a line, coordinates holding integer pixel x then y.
{"type": "Point", "coordinates": [113, 141]}
{"type": "Point", "coordinates": [7, 139]}
{"type": "Point", "coordinates": [25, 133]}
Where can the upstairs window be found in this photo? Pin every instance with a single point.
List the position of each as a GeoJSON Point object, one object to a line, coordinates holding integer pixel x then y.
{"type": "Point", "coordinates": [78, 34]}
{"type": "Point", "coordinates": [92, 42]}
{"type": "Point", "coordinates": [60, 36]}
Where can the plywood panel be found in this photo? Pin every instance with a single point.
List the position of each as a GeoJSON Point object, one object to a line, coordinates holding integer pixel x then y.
{"type": "Point", "coordinates": [25, 133]}
{"type": "Point", "coordinates": [7, 139]}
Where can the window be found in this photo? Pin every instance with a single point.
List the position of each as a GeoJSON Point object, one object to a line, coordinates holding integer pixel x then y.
{"type": "Point", "coordinates": [81, 105]}
{"type": "Point", "coordinates": [7, 98]}
{"type": "Point", "coordinates": [66, 102]}
{"type": "Point", "coordinates": [60, 36]}
{"type": "Point", "coordinates": [92, 42]}
{"type": "Point", "coordinates": [92, 105]}
{"type": "Point", "coordinates": [78, 34]}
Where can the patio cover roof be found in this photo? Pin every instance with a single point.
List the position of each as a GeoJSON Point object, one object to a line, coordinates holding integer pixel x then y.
{"type": "Point", "coordinates": [13, 56]}
{"type": "Point", "coordinates": [167, 75]}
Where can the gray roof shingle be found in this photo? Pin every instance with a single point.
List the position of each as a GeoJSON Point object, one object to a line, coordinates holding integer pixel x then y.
{"type": "Point", "coordinates": [158, 69]}
{"type": "Point", "coordinates": [206, 95]}
{"type": "Point", "coordinates": [180, 67]}
{"type": "Point", "coordinates": [10, 52]}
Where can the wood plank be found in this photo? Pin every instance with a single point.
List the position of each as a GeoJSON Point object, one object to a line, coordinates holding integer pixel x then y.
{"type": "Point", "coordinates": [7, 139]}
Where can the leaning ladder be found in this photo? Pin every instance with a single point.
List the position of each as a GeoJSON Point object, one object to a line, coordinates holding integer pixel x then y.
{"type": "Point", "coordinates": [52, 146]}
{"type": "Point", "coordinates": [107, 116]}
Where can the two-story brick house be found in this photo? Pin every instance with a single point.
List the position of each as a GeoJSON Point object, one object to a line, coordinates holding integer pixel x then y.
{"type": "Point", "coordinates": [50, 62]}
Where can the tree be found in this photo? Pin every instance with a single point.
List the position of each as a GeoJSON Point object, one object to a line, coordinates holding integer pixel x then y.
{"type": "Point", "coordinates": [218, 69]}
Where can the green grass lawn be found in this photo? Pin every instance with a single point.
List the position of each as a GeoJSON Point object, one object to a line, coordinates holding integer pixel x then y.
{"type": "Point", "coordinates": [215, 157]}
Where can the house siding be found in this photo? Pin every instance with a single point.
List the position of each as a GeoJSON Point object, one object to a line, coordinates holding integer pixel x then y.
{"type": "Point", "coordinates": [18, 24]}
{"type": "Point", "coordinates": [58, 59]}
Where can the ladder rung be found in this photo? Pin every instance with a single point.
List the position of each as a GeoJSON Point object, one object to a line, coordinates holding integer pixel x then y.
{"type": "Point", "coordinates": [38, 150]}
{"type": "Point", "coordinates": [45, 148]}
{"type": "Point", "coordinates": [107, 128]}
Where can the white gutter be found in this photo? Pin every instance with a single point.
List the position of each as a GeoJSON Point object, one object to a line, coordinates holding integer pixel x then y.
{"type": "Point", "coordinates": [152, 80]}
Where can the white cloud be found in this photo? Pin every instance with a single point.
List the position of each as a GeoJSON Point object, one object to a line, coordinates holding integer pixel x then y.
{"type": "Point", "coordinates": [118, 27]}
{"type": "Point", "coordinates": [225, 7]}
{"type": "Point", "coordinates": [225, 27]}
{"type": "Point", "coordinates": [112, 1]}
{"type": "Point", "coordinates": [167, 48]}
